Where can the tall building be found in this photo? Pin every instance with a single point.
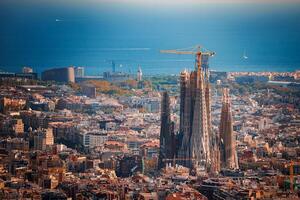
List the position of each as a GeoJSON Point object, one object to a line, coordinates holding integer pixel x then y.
{"type": "Point", "coordinates": [27, 70]}
{"type": "Point", "coordinates": [43, 138]}
{"type": "Point", "coordinates": [184, 76]}
{"type": "Point", "coordinates": [213, 139]}
{"type": "Point", "coordinates": [195, 125]}
{"type": "Point", "coordinates": [79, 72]}
{"type": "Point", "coordinates": [66, 74]}
{"type": "Point", "coordinates": [228, 153]}
{"type": "Point", "coordinates": [167, 137]}
{"type": "Point", "coordinates": [139, 74]}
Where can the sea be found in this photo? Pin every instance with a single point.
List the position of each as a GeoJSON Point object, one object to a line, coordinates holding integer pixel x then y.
{"type": "Point", "coordinates": [93, 34]}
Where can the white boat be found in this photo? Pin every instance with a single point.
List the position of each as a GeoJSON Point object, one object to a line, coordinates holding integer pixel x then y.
{"type": "Point", "coordinates": [244, 55]}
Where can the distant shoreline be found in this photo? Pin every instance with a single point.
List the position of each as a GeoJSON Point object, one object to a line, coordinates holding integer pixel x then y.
{"type": "Point", "coordinates": [145, 74]}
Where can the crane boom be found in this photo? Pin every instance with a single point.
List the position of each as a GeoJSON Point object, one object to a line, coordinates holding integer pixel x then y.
{"type": "Point", "coordinates": [187, 52]}
{"type": "Point", "coordinates": [190, 50]}
{"type": "Point", "coordinates": [177, 52]}
{"type": "Point", "coordinates": [195, 50]}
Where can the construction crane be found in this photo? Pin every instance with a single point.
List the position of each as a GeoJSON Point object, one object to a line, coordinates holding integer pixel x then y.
{"type": "Point", "coordinates": [197, 50]}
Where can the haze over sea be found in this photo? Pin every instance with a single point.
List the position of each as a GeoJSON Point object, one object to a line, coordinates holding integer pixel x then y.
{"type": "Point", "coordinates": [46, 34]}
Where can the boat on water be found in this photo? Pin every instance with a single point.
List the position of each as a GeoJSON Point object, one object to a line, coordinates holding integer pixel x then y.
{"type": "Point", "coordinates": [245, 56]}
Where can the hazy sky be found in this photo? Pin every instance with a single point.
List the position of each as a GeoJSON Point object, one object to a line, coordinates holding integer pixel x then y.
{"type": "Point", "coordinates": [47, 33]}
{"type": "Point", "coordinates": [188, 1]}
{"type": "Point", "coordinates": [148, 4]}
{"type": "Point", "coordinates": [145, 2]}
{"type": "Point", "coordinates": [199, 1]}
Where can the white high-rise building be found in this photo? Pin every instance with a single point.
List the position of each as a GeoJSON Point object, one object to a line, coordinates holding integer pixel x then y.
{"type": "Point", "coordinates": [79, 71]}
{"type": "Point", "coordinates": [139, 74]}
{"type": "Point", "coordinates": [27, 70]}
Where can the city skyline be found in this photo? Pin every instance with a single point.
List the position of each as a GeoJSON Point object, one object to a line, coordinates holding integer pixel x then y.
{"type": "Point", "coordinates": [149, 100]}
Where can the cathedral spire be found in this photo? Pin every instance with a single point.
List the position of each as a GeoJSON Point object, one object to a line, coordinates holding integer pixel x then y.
{"type": "Point", "coordinates": [228, 140]}
{"type": "Point", "coordinates": [167, 137]}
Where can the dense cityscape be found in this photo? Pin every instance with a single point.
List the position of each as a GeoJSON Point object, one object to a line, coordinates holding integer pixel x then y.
{"type": "Point", "coordinates": [149, 100]}
{"type": "Point", "coordinates": [201, 134]}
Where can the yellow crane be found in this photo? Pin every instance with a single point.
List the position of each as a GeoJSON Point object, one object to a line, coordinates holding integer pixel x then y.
{"type": "Point", "coordinates": [197, 50]}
